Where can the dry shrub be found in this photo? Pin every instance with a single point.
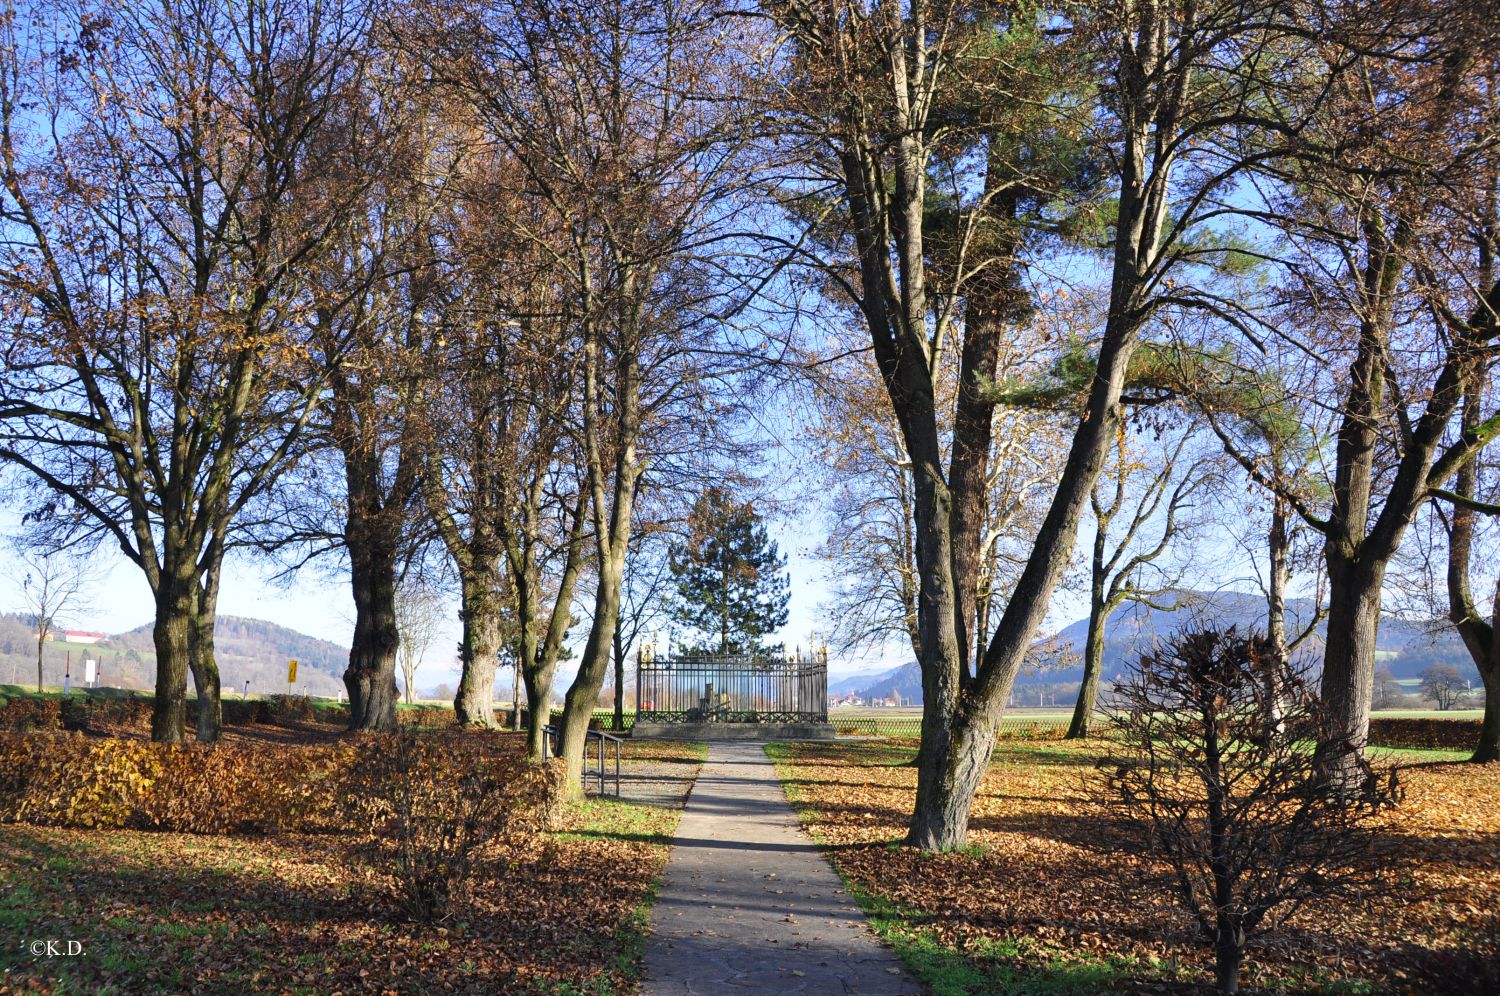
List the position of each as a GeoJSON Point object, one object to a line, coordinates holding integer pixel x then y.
{"type": "Point", "coordinates": [88, 712]}
{"type": "Point", "coordinates": [241, 712]}
{"type": "Point", "coordinates": [420, 806]}
{"type": "Point", "coordinates": [435, 801]}
{"type": "Point", "coordinates": [66, 779]}
{"type": "Point", "coordinates": [1217, 760]}
{"type": "Point", "coordinates": [218, 789]}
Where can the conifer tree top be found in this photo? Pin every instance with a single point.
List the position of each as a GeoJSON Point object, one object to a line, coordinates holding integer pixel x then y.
{"type": "Point", "coordinates": [730, 580]}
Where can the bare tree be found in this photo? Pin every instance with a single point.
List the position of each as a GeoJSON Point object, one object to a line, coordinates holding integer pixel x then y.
{"type": "Point", "coordinates": [170, 173]}
{"type": "Point", "coordinates": [1388, 217]}
{"type": "Point", "coordinates": [1481, 636]}
{"type": "Point", "coordinates": [643, 592]}
{"type": "Point", "coordinates": [419, 615]}
{"type": "Point", "coordinates": [1388, 692]}
{"type": "Point", "coordinates": [50, 584]}
{"type": "Point", "coordinates": [1444, 684]}
{"type": "Point", "coordinates": [870, 550]}
{"type": "Point", "coordinates": [353, 502]}
{"type": "Point", "coordinates": [1229, 797]}
{"type": "Point", "coordinates": [634, 165]}
{"type": "Point", "coordinates": [1155, 496]}
{"type": "Point", "coordinates": [503, 483]}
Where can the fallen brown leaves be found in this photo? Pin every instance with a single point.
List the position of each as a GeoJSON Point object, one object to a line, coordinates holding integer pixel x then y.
{"type": "Point", "coordinates": [1053, 879]}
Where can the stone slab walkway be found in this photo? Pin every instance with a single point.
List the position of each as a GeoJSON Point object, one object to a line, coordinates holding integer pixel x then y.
{"type": "Point", "coordinates": [748, 905]}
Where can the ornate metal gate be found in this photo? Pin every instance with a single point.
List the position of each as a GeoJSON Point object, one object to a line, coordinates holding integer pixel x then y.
{"type": "Point", "coordinates": [732, 688]}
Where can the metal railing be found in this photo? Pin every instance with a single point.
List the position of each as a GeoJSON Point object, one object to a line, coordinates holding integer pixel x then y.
{"type": "Point", "coordinates": [549, 749]}
{"type": "Point", "coordinates": [732, 689]}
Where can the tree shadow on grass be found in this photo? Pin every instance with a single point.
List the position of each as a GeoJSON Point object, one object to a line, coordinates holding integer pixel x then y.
{"type": "Point", "coordinates": [111, 876]}
{"type": "Point", "coordinates": [1099, 831]}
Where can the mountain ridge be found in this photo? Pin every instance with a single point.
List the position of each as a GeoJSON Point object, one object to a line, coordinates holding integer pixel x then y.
{"type": "Point", "coordinates": [1404, 646]}
{"type": "Point", "coordinates": [246, 649]}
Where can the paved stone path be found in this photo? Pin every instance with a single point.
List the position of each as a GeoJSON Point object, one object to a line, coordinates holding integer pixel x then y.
{"type": "Point", "coordinates": [748, 904]}
{"type": "Point", "coordinates": [654, 783]}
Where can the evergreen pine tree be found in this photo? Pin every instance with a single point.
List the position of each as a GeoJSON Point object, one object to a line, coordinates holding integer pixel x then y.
{"type": "Point", "coordinates": [728, 575]}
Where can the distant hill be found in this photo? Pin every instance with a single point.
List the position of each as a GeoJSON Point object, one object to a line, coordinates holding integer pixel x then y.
{"type": "Point", "coordinates": [904, 682]}
{"type": "Point", "coordinates": [1403, 646]}
{"type": "Point", "coordinates": [851, 684]}
{"type": "Point", "coordinates": [246, 649]}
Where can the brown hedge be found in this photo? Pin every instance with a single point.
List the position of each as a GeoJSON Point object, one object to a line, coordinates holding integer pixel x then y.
{"type": "Point", "coordinates": [67, 779]}
{"type": "Point", "coordinates": [23, 713]}
{"type": "Point", "coordinates": [86, 712]}
{"type": "Point", "coordinates": [425, 715]}
{"type": "Point", "coordinates": [1424, 734]}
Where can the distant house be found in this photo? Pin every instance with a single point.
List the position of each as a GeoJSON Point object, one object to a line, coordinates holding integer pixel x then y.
{"type": "Point", "coordinates": [79, 636]}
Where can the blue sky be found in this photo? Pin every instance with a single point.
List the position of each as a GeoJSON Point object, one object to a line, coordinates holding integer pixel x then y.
{"type": "Point", "coordinates": [320, 605]}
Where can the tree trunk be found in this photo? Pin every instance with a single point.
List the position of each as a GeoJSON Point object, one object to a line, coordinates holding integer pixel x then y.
{"type": "Point", "coordinates": [41, 643]}
{"type": "Point", "coordinates": [1278, 544]}
{"type": "Point", "coordinates": [1229, 953]}
{"type": "Point", "coordinates": [205, 668]}
{"type": "Point", "coordinates": [475, 703]}
{"type": "Point", "coordinates": [953, 768]}
{"type": "Point", "coordinates": [539, 702]}
{"type": "Point", "coordinates": [989, 306]}
{"type": "Point", "coordinates": [578, 704]}
{"type": "Point", "coordinates": [1093, 662]}
{"type": "Point", "coordinates": [1093, 644]}
{"type": "Point", "coordinates": [201, 659]}
{"type": "Point", "coordinates": [172, 636]}
{"type": "Point", "coordinates": [1349, 661]}
{"type": "Point", "coordinates": [1488, 748]}
{"type": "Point", "coordinates": [1481, 638]}
{"type": "Point", "coordinates": [619, 723]}
{"type": "Point", "coordinates": [371, 675]}
{"type": "Point", "coordinates": [956, 745]}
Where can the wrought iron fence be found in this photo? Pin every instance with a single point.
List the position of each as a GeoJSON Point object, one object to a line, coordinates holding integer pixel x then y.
{"type": "Point", "coordinates": [1045, 728]}
{"type": "Point", "coordinates": [731, 689]}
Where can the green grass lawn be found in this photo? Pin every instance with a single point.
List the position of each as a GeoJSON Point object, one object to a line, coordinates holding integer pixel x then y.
{"type": "Point", "coordinates": [1428, 714]}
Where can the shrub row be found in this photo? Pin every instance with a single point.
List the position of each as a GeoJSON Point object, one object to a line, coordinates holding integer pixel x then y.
{"type": "Point", "coordinates": [1425, 734]}
{"type": "Point", "coordinates": [424, 715]}
{"type": "Point", "coordinates": [89, 712]}
{"type": "Point", "coordinates": [21, 714]}
{"type": "Point", "coordinates": [67, 779]}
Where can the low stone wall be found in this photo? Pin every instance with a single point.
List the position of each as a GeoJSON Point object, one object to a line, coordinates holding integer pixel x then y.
{"type": "Point", "coordinates": [734, 731]}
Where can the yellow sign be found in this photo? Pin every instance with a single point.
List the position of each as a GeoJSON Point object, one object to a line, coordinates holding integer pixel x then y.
{"type": "Point", "coordinates": [291, 670]}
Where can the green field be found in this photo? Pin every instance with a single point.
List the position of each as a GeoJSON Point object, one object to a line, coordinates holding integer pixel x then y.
{"type": "Point", "coordinates": [1428, 714]}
